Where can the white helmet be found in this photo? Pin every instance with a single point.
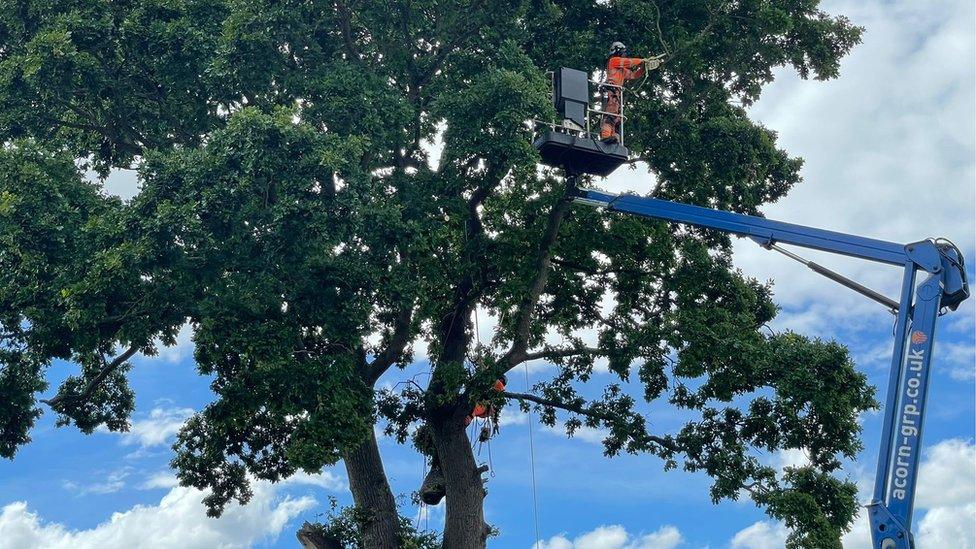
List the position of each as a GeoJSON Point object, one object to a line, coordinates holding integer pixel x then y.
{"type": "Point", "coordinates": [617, 47]}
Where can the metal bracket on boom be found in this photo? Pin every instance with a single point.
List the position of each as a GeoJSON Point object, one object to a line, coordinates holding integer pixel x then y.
{"type": "Point", "coordinates": [890, 511]}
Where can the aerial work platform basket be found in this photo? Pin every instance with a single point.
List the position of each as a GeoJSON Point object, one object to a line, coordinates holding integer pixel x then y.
{"type": "Point", "coordinates": [570, 143]}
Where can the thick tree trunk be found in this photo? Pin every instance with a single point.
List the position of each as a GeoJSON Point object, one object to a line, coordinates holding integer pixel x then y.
{"type": "Point", "coordinates": [464, 525]}
{"type": "Point", "coordinates": [371, 492]}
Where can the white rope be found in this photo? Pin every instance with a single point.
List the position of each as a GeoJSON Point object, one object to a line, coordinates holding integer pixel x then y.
{"type": "Point", "coordinates": [423, 476]}
{"type": "Point", "coordinates": [535, 496]}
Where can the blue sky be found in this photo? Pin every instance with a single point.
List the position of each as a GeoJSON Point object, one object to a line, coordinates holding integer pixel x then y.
{"type": "Point", "coordinates": [889, 151]}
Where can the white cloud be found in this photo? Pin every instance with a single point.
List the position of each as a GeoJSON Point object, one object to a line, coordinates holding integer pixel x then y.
{"type": "Point", "coordinates": [761, 535]}
{"type": "Point", "coordinates": [431, 516]}
{"type": "Point", "coordinates": [947, 490]}
{"type": "Point", "coordinates": [174, 354]}
{"type": "Point", "coordinates": [511, 415]}
{"type": "Point", "coordinates": [122, 183]}
{"type": "Point", "coordinates": [948, 527]}
{"type": "Point", "coordinates": [327, 480]}
{"type": "Point", "coordinates": [591, 434]}
{"type": "Point", "coordinates": [788, 457]}
{"type": "Point", "coordinates": [963, 374]}
{"type": "Point", "coordinates": [859, 537]}
{"type": "Point", "coordinates": [584, 433]}
{"type": "Point", "coordinates": [960, 358]}
{"type": "Point", "coordinates": [178, 520]}
{"type": "Point", "coordinates": [162, 479]}
{"type": "Point", "coordinates": [667, 537]}
{"type": "Point", "coordinates": [603, 537]}
{"type": "Point", "coordinates": [792, 457]}
{"type": "Point", "coordinates": [616, 537]}
{"type": "Point", "coordinates": [158, 428]}
{"type": "Point", "coordinates": [113, 482]}
{"type": "Point", "coordinates": [556, 542]}
{"type": "Point", "coordinates": [947, 476]}
{"type": "Point", "coordinates": [963, 321]}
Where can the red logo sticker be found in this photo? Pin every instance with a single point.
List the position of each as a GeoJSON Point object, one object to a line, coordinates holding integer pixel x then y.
{"type": "Point", "coordinates": [919, 338]}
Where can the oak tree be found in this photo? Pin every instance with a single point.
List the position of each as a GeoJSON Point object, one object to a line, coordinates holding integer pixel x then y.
{"type": "Point", "coordinates": [296, 213]}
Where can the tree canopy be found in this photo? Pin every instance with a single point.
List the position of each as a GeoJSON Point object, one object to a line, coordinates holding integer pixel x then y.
{"type": "Point", "coordinates": [326, 184]}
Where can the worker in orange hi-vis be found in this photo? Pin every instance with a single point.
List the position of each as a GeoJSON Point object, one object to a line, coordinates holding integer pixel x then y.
{"type": "Point", "coordinates": [620, 69]}
{"type": "Point", "coordinates": [433, 490]}
{"type": "Point", "coordinates": [481, 409]}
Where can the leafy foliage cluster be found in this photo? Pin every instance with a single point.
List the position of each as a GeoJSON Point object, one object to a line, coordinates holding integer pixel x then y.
{"type": "Point", "coordinates": [344, 526]}
{"type": "Point", "coordinates": [293, 212]}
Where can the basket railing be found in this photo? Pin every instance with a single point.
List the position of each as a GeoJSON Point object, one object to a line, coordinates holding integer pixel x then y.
{"type": "Point", "coordinates": [592, 116]}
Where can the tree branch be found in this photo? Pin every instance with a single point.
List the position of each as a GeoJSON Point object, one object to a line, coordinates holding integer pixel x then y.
{"type": "Point", "coordinates": [755, 488]}
{"type": "Point", "coordinates": [561, 353]}
{"type": "Point", "coordinates": [588, 412]}
{"type": "Point", "coordinates": [516, 354]}
{"type": "Point", "coordinates": [595, 272]}
{"type": "Point", "coordinates": [74, 125]}
{"type": "Point", "coordinates": [470, 288]}
{"type": "Point", "coordinates": [398, 342]}
{"type": "Point", "coordinates": [409, 47]}
{"type": "Point", "coordinates": [481, 193]}
{"type": "Point", "coordinates": [441, 55]}
{"type": "Point", "coordinates": [314, 536]}
{"type": "Point", "coordinates": [106, 370]}
{"type": "Point", "coordinates": [346, 28]}
{"type": "Point", "coordinates": [657, 24]}
{"type": "Point", "coordinates": [123, 144]}
{"type": "Point", "coordinates": [700, 37]}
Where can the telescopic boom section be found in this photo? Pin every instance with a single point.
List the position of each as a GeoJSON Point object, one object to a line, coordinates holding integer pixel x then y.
{"type": "Point", "coordinates": [765, 231]}
{"type": "Point", "coordinates": [945, 287]}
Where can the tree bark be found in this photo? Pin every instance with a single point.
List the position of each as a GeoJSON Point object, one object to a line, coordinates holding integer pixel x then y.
{"type": "Point", "coordinates": [312, 538]}
{"type": "Point", "coordinates": [464, 525]}
{"type": "Point", "coordinates": [371, 492]}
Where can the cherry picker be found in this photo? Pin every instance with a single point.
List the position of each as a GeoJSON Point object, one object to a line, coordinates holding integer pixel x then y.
{"type": "Point", "coordinates": [570, 145]}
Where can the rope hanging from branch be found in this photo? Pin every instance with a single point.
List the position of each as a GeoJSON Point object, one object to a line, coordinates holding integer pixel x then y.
{"type": "Point", "coordinates": [535, 496]}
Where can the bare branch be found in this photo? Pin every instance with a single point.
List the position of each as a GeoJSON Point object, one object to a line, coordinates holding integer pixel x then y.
{"type": "Point", "coordinates": [107, 369]}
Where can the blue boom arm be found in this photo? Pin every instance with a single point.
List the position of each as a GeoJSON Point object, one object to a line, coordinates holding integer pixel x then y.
{"type": "Point", "coordinates": [945, 287]}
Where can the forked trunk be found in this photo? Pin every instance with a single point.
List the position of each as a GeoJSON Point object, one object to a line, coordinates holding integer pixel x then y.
{"type": "Point", "coordinates": [464, 526]}
{"type": "Point", "coordinates": [371, 492]}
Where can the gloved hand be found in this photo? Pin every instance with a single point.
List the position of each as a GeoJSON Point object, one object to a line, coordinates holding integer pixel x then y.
{"type": "Point", "coordinates": [652, 63]}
